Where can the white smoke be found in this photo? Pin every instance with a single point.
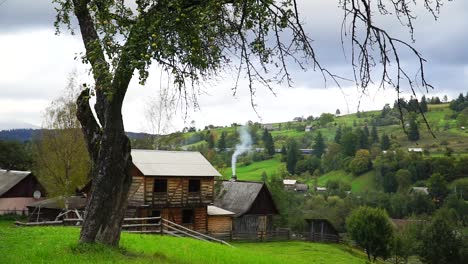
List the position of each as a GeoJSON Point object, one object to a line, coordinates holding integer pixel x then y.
{"type": "Point", "coordinates": [244, 146]}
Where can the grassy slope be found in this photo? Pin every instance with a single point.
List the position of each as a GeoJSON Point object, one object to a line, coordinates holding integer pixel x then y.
{"type": "Point", "coordinates": [253, 172]}
{"type": "Point", "coordinates": [362, 183]}
{"type": "Point", "coordinates": [58, 245]}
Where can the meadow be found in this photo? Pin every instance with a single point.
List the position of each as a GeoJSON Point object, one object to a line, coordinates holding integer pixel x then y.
{"type": "Point", "coordinates": [59, 245]}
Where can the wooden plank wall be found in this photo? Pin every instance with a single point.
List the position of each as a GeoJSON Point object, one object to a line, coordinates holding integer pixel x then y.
{"type": "Point", "coordinates": [219, 223]}
{"type": "Point", "coordinates": [177, 192]}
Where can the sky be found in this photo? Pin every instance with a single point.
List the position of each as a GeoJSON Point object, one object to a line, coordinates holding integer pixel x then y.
{"type": "Point", "coordinates": [35, 65]}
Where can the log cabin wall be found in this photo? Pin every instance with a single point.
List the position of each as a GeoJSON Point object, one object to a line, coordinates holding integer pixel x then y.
{"type": "Point", "coordinates": [219, 223]}
{"type": "Point", "coordinates": [198, 221]}
{"type": "Point", "coordinates": [177, 194]}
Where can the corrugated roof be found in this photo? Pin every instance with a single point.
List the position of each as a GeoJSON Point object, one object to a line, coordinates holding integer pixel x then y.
{"type": "Point", "coordinates": [238, 196]}
{"type": "Point", "coordinates": [9, 178]}
{"type": "Point", "coordinates": [214, 210]}
{"type": "Point", "coordinates": [172, 163]}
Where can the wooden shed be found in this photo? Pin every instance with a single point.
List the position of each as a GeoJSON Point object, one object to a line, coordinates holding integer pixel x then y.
{"type": "Point", "coordinates": [219, 220]}
{"type": "Point", "coordinates": [321, 230]}
{"type": "Point", "coordinates": [17, 190]}
{"type": "Point", "coordinates": [252, 204]}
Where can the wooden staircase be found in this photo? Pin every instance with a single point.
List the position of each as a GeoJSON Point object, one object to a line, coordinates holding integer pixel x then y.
{"type": "Point", "coordinates": [162, 226]}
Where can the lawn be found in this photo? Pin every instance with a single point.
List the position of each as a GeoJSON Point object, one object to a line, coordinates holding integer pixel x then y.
{"type": "Point", "coordinates": [59, 245]}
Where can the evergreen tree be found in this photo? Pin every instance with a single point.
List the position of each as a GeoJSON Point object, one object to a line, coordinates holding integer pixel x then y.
{"type": "Point", "coordinates": [363, 142]}
{"type": "Point", "coordinates": [374, 134]}
{"type": "Point", "coordinates": [292, 156]}
{"type": "Point", "coordinates": [268, 143]}
{"type": "Point", "coordinates": [413, 131]}
{"type": "Point", "coordinates": [385, 142]}
{"type": "Point", "coordinates": [222, 142]}
{"type": "Point", "coordinates": [423, 104]}
{"type": "Point", "coordinates": [338, 135]}
{"type": "Point", "coordinates": [319, 146]}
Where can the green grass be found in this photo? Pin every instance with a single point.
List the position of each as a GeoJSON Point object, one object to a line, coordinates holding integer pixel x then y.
{"type": "Point", "coordinates": [59, 245]}
{"type": "Point", "coordinates": [253, 172]}
{"type": "Point", "coordinates": [362, 183]}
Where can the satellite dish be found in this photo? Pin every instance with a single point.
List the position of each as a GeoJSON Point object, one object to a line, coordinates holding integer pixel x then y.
{"type": "Point", "coordinates": [37, 194]}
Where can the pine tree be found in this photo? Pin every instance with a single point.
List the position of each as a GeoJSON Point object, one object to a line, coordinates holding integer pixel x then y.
{"type": "Point", "coordinates": [423, 104]}
{"type": "Point", "coordinates": [374, 134]}
{"type": "Point", "coordinates": [413, 131]}
{"type": "Point", "coordinates": [222, 142]}
{"type": "Point", "coordinates": [211, 141]}
{"type": "Point", "coordinates": [292, 156]}
{"type": "Point", "coordinates": [268, 143]}
{"type": "Point", "coordinates": [319, 146]}
{"type": "Point", "coordinates": [338, 135]}
{"type": "Point", "coordinates": [385, 142]}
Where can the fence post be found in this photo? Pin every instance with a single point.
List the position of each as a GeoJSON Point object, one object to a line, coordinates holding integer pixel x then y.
{"type": "Point", "coordinates": [161, 226]}
{"type": "Point", "coordinates": [289, 234]}
{"type": "Point", "coordinates": [230, 235]}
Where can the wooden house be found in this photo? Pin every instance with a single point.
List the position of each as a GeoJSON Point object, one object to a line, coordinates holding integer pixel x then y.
{"type": "Point", "coordinates": [321, 230]}
{"type": "Point", "coordinates": [17, 190]}
{"type": "Point", "coordinates": [252, 204]}
{"type": "Point", "coordinates": [219, 220]}
{"type": "Point", "coordinates": [176, 185]}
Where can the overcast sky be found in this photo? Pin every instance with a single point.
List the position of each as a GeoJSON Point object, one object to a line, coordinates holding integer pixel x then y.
{"type": "Point", "coordinates": [35, 63]}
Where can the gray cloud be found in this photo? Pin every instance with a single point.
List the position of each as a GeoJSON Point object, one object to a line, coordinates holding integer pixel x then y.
{"type": "Point", "coordinates": [26, 15]}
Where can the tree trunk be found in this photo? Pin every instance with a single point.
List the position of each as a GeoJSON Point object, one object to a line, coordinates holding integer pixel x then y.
{"type": "Point", "coordinates": [109, 149]}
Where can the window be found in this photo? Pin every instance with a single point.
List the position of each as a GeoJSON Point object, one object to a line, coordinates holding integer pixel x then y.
{"type": "Point", "coordinates": [187, 216]}
{"type": "Point", "coordinates": [160, 185]}
{"type": "Point", "coordinates": [194, 186]}
{"type": "Point", "coordinates": [154, 214]}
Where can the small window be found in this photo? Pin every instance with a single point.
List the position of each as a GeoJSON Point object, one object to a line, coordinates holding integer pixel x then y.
{"type": "Point", "coordinates": [194, 186]}
{"type": "Point", "coordinates": [187, 216]}
{"type": "Point", "coordinates": [155, 214]}
{"type": "Point", "coordinates": [160, 186]}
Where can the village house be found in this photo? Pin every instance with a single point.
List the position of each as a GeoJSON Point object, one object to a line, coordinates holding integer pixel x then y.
{"type": "Point", "coordinates": [289, 184]}
{"type": "Point", "coordinates": [252, 204]}
{"type": "Point", "coordinates": [18, 189]}
{"type": "Point", "coordinates": [321, 230]}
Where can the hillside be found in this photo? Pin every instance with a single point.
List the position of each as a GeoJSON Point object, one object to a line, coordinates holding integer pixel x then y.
{"type": "Point", "coordinates": [59, 245]}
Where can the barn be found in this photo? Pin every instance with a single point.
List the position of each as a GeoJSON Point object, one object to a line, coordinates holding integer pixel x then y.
{"type": "Point", "coordinates": [17, 190]}
{"type": "Point", "coordinates": [251, 203]}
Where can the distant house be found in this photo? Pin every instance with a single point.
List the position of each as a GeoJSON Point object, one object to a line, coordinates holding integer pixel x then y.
{"type": "Point", "coordinates": [269, 127]}
{"type": "Point", "coordinates": [308, 128]}
{"type": "Point", "coordinates": [321, 230]}
{"type": "Point", "coordinates": [18, 189]}
{"type": "Point", "coordinates": [321, 189]}
{"type": "Point", "coordinates": [289, 184]}
{"type": "Point", "coordinates": [416, 150]}
{"type": "Point", "coordinates": [301, 187]}
{"type": "Point", "coordinates": [252, 204]}
{"type": "Point", "coordinates": [419, 190]}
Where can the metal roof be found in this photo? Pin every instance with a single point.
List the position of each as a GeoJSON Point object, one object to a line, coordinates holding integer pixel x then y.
{"type": "Point", "coordinates": [9, 178]}
{"type": "Point", "coordinates": [214, 210]}
{"type": "Point", "coordinates": [172, 163]}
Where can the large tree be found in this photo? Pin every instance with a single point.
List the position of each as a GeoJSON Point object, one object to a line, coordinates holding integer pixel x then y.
{"type": "Point", "coordinates": [193, 40]}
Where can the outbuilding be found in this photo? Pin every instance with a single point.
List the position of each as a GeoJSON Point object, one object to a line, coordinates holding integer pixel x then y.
{"type": "Point", "coordinates": [252, 205]}
{"type": "Point", "coordinates": [18, 189]}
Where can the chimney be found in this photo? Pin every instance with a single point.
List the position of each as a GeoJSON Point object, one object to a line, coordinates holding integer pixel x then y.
{"type": "Point", "coordinates": [233, 178]}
